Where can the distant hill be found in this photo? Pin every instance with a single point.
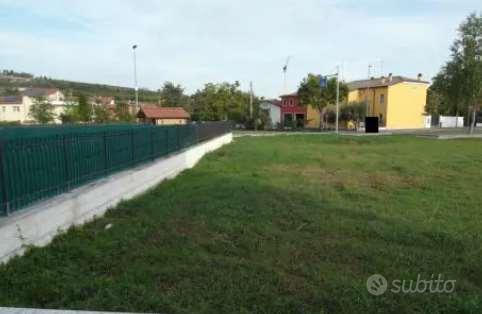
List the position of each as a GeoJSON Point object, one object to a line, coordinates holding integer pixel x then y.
{"type": "Point", "coordinates": [10, 80]}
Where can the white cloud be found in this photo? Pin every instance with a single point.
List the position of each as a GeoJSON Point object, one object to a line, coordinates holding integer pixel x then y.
{"type": "Point", "coordinates": [194, 42]}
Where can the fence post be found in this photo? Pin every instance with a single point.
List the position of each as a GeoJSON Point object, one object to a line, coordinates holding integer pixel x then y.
{"type": "Point", "coordinates": [178, 135]}
{"type": "Point", "coordinates": [6, 201]}
{"type": "Point", "coordinates": [167, 140]}
{"type": "Point", "coordinates": [66, 164]}
{"type": "Point", "coordinates": [151, 132]}
{"type": "Point", "coordinates": [105, 152]}
{"type": "Point", "coordinates": [132, 146]}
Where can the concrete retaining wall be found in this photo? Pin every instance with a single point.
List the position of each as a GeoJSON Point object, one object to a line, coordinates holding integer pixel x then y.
{"type": "Point", "coordinates": [40, 223]}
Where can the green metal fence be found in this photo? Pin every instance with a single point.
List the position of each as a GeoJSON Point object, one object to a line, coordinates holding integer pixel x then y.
{"type": "Point", "coordinates": [38, 162]}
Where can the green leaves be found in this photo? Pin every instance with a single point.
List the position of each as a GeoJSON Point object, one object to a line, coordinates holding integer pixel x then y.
{"type": "Point", "coordinates": [42, 111]}
{"type": "Point", "coordinates": [458, 85]}
{"type": "Point", "coordinates": [311, 94]}
{"type": "Point", "coordinates": [222, 101]}
{"type": "Point", "coordinates": [173, 96]}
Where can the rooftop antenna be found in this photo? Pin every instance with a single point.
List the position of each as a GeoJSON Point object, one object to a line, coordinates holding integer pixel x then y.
{"type": "Point", "coordinates": [285, 69]}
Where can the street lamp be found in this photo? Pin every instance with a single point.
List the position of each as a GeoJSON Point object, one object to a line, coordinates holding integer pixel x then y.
{"type": "Point", "coordinates": [324, 84]}
{"type": "Point", "coordinates": [134, 47]}
{"type": "Point", "coordinates": [337, 96]}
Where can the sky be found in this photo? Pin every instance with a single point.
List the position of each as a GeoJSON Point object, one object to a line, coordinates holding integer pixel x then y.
{"type": "Point", "coordinates": [199, 41]}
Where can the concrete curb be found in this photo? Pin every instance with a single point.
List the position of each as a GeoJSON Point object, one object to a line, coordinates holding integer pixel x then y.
{"type": "Point", "coordinates": [38, 224]}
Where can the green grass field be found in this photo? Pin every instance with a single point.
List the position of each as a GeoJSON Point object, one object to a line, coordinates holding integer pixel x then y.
{"type": "Point", "coordinates": [291, 224]}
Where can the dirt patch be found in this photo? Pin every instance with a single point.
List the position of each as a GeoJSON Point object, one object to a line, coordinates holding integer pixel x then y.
{"type": "Point", "coordinates": [343, 179]}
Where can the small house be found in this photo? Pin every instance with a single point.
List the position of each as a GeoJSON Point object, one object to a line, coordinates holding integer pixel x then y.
{"type": "Point", "coordinates": [272, 107]}
{"type": "Point", "coordinates": [163, 115]}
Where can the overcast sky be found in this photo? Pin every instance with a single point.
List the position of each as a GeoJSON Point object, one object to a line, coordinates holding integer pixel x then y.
{"type": "Point", "coordinates": [198, 41]}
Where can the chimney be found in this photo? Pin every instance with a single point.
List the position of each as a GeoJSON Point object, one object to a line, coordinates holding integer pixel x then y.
{"type": "Point", "coordinates": [419, 76]}
{"type": "Point", "coordinates": [390, 77]}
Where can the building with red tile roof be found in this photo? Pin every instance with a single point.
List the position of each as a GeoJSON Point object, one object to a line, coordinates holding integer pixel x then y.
{"type": "Point", "coordinates": [163, 115]}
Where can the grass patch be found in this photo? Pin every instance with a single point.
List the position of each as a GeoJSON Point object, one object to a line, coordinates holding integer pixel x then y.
{"type": "Point", "coordinates": [291, 224]}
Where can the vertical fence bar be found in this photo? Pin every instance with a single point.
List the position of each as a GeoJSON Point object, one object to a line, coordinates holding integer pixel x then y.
{"type": "Point", "coordinates": [151, 138]}
{"type": "Point", "coordinates": [3, 179]}
{"type": "Point", "coordinates": [105, 153]}
{"type": "Point", "coordinates": [178, 142]}
{"type": "Point", "coordinates": [132, 146]}
{"type": "Point", "coordinates": [66, 162]}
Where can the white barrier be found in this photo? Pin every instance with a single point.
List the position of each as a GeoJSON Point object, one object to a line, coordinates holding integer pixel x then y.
{"type": "Point", "coordinates": [451, 122]}
{"type": "Point", "coordinates": [37, 225]}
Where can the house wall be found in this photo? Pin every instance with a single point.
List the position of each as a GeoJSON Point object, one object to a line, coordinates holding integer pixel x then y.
{"type": "Point", "coordinates": [406, 105]}
{"type": "Point", "coordinates": [275, 115]}
{"type": "Point", "coordinates": [290, 105]}
{"type": "Point", "coordinates": [170, 121]}
{"type": "Point", "coordinates": [12, 113]}
{"type": "Point", "coordinates": [21, 112]}
{"type": "Point", "coordinates": [273, 111]}
{"type": "Point", "coordinates": [376, 99]}
{"type": "Point", "coordinates": [312, 117]}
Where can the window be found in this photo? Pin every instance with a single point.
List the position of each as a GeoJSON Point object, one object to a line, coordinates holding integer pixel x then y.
{"type": "Point", "coordinates": [291, 102]}
{"type": "Point", "coordinates": [4, 108]}
{"type": "Point", "coordinates": [16, 109]}
{"type": "Point", "coordinates": [382, 99]}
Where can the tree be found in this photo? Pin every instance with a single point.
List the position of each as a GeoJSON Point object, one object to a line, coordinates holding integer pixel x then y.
{"type": "Point", "coordinates": [101, 114]}
{"type": "Point", "coordinates": [80, 111]}
{"type": "Point", "coordinates": [434, 101]}
{"type": "Point", "coordinates": [122, 113]}
{"type": "Point", "coordinates": [458, 85]}
{"type": "Point", "coordinates": [10, 91]}
{"type": "Point", "coordinates": [173, 96]}
{"type": "Point", "coordinates": [42, 111]}
{"type": "Point", "coordinates": [84, 109]}
{"type": "Point", "coordinates": [224, 101]}
{"type": "Point", "coordinates": [311, 94]}
{"type": "Point", "coordinates": [355, 111]}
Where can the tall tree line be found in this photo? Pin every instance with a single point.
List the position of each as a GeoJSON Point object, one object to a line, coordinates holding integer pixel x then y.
{"type": "Point", "coordinates": [457, 88]}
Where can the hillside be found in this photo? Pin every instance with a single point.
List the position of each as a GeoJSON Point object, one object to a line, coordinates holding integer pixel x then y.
{"type": "Point", "coordinates": [10, 80]}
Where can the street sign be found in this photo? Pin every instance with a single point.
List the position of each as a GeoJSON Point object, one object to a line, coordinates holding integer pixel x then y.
{"type": "Point", "coordinates": [323, 81]}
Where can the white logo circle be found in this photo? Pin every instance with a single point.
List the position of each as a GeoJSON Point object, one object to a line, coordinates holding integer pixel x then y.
{"type": "Point", "coordinates": [377, 284]}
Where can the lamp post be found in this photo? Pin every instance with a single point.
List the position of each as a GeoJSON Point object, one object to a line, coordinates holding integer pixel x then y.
{"type": "Point", "coordinates": [324, 84]}
{"type": "Point", "coordinates": [134, 47]}
{"type": "Point", "coordinates": [337, 96]}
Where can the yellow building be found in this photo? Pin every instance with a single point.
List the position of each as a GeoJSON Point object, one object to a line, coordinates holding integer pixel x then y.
{"type": "Point", "coordinates": [312, 118]}
{"type": "Point", "coordinates": [398, 101]}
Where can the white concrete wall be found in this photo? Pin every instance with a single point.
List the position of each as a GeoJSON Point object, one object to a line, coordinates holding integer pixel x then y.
{"type": "Point", "coordinates": [275, 115]}
{"type": "Point", "coordinates": [451, 122]}
{"type": "Point", "coordinates": [40, 223]}
{"type": "Point", "coordinates": [427, 122]}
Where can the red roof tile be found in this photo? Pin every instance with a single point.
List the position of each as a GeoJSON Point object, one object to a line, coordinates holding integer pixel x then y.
{"type": "Point", "coordinates": [155, 112]}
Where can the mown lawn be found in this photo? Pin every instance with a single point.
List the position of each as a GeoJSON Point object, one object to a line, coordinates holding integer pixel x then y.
{"type": "Point", "coordinates": [291, 224]}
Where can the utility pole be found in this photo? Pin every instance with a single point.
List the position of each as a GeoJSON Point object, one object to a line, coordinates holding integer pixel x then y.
{"type": "Point", "coordinates": [285, 69]}
{"type": "Point", "coordinates": [370, 66]}
{"type": "Point", "coordinates": [251, 104]}
{"type": "Point", "coordinates": [135, 76]}
{"type": "Point", "coordinates": [325, 84]}
{"type": "Point", "coordinates": [337, 96]}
